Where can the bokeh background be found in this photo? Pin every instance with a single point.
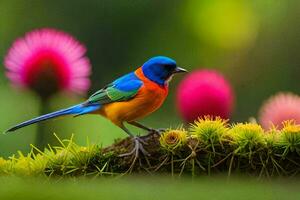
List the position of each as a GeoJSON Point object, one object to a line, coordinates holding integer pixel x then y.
{"type": "Point", "coordinates": [255, 44]}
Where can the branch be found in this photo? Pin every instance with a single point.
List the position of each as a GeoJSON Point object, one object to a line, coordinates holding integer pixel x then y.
{"type": "Point", "coordinates": [211, 146]}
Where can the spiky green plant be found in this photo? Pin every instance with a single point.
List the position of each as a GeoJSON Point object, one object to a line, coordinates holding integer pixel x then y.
{"type": "Point", "coordinates": [247, 137]}
{"type": "Point", "coordinates": [171, 140]}
{"type": "Point", "coordinates": [271, 162]}
{"type": "Point", "coordinates": [69, 158]}
{"type": "Point", "coordinates": [5, 166]}
{"type": "Point", "coordinates": [289, 139]}
{"type": "Point", "coordinates": [28, 165]}
{"type": "Point", "coordinates": [271, 138]}
{"type": "Point", "coordinates": [59, 160]}
{"type": "Point", "coordinates": [81, 158]}
{"type": "Point", "coordinates": [210, 131]}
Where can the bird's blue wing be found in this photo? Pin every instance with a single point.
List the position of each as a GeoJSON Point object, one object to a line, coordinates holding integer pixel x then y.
{"type": "Point", "coordinates": [122, 89]}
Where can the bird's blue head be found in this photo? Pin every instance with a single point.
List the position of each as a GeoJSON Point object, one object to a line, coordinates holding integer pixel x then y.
{"type": "Point", "coordinates": [160, 68]}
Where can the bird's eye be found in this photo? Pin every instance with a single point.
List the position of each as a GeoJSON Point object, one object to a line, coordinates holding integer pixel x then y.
{"type": "Point", "coordinates": [169, 67]}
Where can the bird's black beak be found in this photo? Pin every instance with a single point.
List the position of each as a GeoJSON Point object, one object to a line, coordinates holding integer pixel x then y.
{"type": "Point", "coordinates": [179, 70]}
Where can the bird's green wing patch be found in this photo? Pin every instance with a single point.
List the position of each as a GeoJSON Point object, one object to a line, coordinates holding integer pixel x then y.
{"type": "Point", "coordinates": [116, 92]}
{"type": "Point", "coordinates": [111, 94]}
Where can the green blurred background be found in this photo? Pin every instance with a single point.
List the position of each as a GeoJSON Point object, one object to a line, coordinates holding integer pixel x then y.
{"type": "Point", "coordinates": [254, 43]}
{"type": "Point", "coordinates": [149, 188]}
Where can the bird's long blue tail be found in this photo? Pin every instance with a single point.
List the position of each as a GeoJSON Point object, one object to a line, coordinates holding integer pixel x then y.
{"type": "Point", "coordinates": [76, 110]}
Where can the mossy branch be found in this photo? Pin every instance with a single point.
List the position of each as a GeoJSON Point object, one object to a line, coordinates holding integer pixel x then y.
{"type": "Point", "coordinates": [211, 146]}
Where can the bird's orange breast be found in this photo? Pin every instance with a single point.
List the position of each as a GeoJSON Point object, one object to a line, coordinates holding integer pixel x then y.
{"type": "Point", "coordinates": [148, 99]}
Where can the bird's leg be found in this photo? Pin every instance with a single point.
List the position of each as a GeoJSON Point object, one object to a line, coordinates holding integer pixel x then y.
{"type": "Point", "coordinates": [138, 145]}
{"type": "Point", "coordinates": [150, 130]}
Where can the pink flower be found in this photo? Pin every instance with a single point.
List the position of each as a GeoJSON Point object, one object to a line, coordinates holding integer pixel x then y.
{"type": "Point", "coordinates": [48, 61]}
{"type": "Point", "coordinates": [279, 108]}
{"type": "Point", "coordinates": [204, 92]}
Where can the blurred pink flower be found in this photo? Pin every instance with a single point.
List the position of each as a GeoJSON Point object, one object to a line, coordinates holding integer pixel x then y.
{"type": "Point", "coordinates": [279, 108]}
{"type": "Point", "coordinates": [204, 92]}
{"type": "Point", "coordinates": [48, 61]}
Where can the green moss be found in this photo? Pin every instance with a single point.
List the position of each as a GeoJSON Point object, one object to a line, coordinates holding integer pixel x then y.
{"type": "Point", "coordinates": [210, 147]}
{"type": "Point", "coordinates": [289, 139]}
{"type": "Point", "coordinates": [247, 138]}
{"type": "Point", "coordinates": [210, 132]}
{"type": "Point", "coordinates": [172, 140]}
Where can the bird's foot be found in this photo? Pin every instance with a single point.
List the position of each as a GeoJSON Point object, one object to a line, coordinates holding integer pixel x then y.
{"type": "Point", "coordinates": [135, 152]}
{"type": "Point", "coordinates": [138, 147]}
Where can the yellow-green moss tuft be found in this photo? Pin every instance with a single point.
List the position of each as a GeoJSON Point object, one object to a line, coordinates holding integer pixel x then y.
{"type": "Point", "coordinates": [29, 165]}
{"type": "Point", "coordinates": [289, 138]}
{"type": "Point", "coordinates": [209, 130]}
{"type": "Point", "coordinates": [247, 137]}
{"type": "Point", "coordinates": [272, 137]}
{"type": "Point", "coordinates": [5, 166]}
{"type": "Point", "coordinates": [172, 140]}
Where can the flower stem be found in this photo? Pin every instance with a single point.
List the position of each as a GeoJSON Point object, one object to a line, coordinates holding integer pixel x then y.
{"type": "Point", "coordinates": [41, 133]}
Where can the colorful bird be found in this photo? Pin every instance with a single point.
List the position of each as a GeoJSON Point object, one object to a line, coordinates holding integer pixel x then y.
{"type": "Point", "coordinates": [127, 99]}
